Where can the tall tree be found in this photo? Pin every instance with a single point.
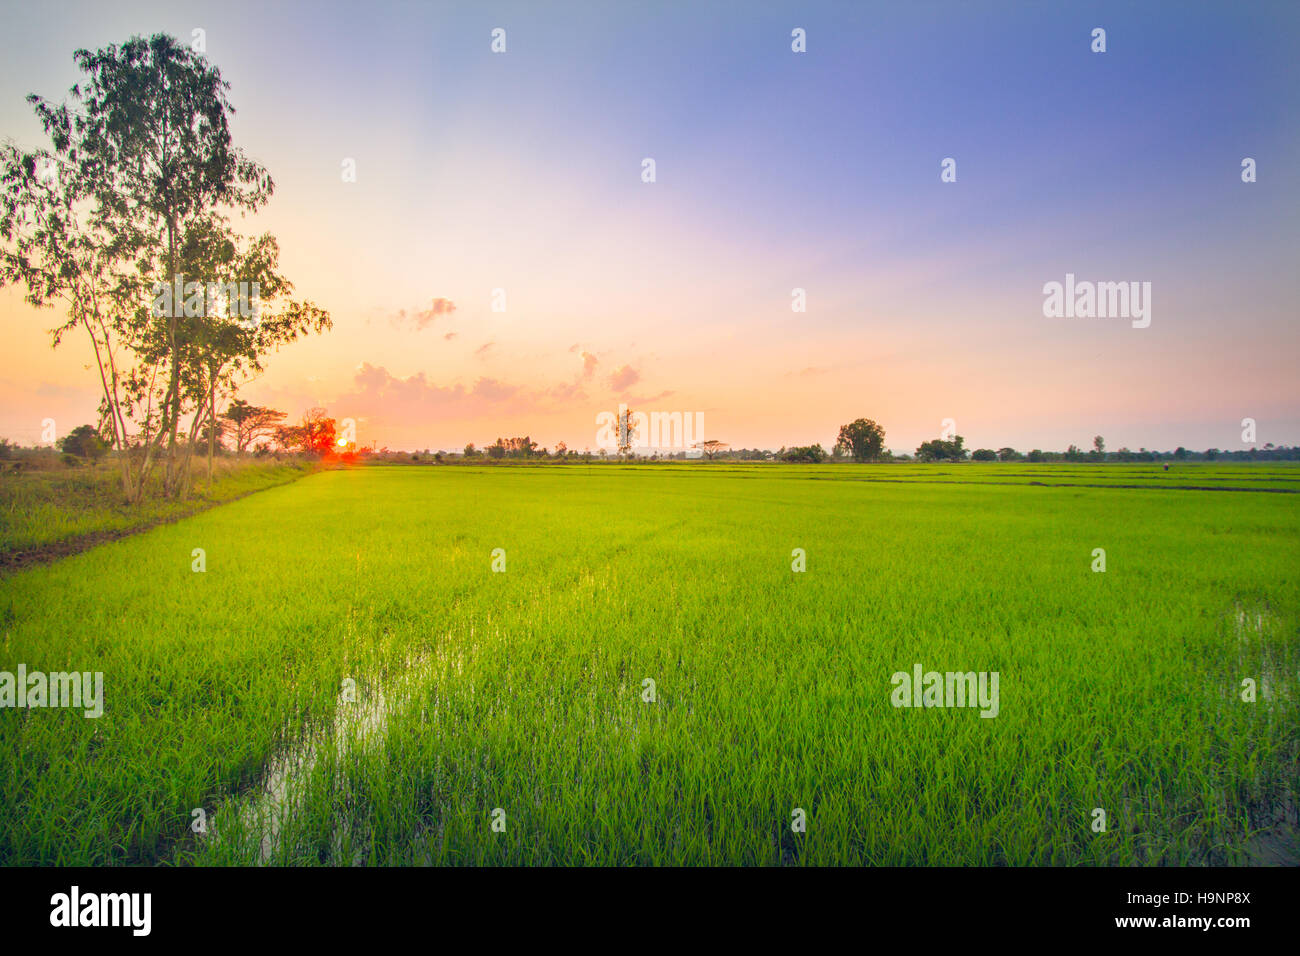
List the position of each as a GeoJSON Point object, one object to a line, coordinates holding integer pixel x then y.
{"type": "Point", "coordinates": [155, 118]}
{"type": "Point", "coordinates": [863, 439]}
{"type": "Point", "coordinates": [626, 436]}
{"type": "Point", "coordinates": [245, 312]}
{"type": "Point", "coordinates": [137, 188]}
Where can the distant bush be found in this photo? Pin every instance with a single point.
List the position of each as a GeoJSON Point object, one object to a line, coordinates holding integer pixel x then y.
{"type": "Point", "coordinates": [83, 442]}
{"type": "Point", "coordinates": [939, 450]}
{"type": "Point", "coordinates": [809, 453]}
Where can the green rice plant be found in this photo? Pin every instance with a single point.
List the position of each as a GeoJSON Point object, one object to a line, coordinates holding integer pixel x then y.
{"type": "Point", "coordinates": [646, 680]}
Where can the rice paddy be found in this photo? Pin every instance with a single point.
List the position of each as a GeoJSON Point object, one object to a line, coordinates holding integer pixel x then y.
{"type": "Point", "coordinates": [625, 665]}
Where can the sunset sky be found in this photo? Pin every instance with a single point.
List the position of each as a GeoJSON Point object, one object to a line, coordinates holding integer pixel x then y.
{"type": "Point", "coordinates": [775, 170]}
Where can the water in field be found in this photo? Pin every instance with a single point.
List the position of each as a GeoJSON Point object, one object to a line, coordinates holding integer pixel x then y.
{"type": "Point", "coordinates": [362, 712]}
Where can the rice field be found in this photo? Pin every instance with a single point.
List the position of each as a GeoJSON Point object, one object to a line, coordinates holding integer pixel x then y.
{"type": "Point", "coordinates": [624, 665]}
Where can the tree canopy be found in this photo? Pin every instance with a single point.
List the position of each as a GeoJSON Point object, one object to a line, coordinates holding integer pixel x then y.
{"type": "Point", "coordinates": [863, 439]}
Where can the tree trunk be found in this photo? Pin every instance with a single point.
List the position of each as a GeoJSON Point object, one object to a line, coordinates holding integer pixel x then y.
{"type": "Point", "coordinates": [174, 385]}
{"type": "Point", "coordinates": [212, 425]}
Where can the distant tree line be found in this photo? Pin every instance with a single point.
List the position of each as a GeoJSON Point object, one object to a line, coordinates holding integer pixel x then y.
{"type": "Point", "coordinates": [244, 428]}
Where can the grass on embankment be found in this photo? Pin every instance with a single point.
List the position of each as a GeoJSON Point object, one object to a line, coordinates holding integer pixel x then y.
{"type": "Point", "coordinates": [51, 509]}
